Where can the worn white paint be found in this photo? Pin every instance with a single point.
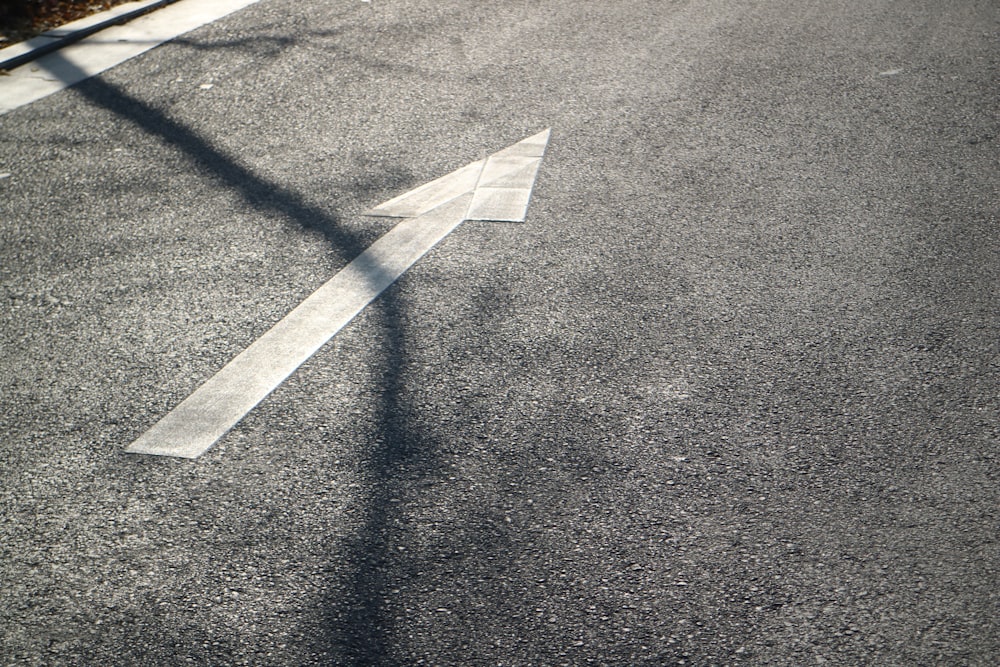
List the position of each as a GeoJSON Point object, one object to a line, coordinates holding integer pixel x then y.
{"type": "Point", "coordinates": [107, 48]}
{"type": "Point", "coordinates": [441, 206]}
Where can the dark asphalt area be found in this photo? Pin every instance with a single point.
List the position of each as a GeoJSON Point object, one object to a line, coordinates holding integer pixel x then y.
{"type": "Point", "coordinates": [729, 396]}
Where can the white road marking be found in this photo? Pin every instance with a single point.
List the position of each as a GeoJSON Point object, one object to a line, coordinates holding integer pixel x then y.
{"type": "Point", "coordinates": [201, 419]}
{"type": "Point", "coordinates": [107, 48]}
{"type": "Point", "coordinates": [508, 204]}
{"type": "Point", "coordinates": [219, 404]}
{"type": "Point", "coordinates": [430, 195]}
{"type": "Point", "coordinates": [57, 37]}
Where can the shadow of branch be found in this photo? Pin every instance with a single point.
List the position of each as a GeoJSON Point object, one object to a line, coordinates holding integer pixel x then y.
{"type": "Point", "coordinates": [361, 637]}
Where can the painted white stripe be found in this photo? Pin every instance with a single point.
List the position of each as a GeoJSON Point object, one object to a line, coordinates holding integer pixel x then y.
{"type": "Point", "coordinates": [107, 48]}
{"type": "Point", "coordinates": [57, 36]}
{"type": "Point", "coordinates": [508, 177]}
{"type": "Point", "coordinates": [501, 184]}
{"type": "Point", "coordinates": [533, 146]}
{"type": "Point", "coordinates": [431, 195]}
{"type": "Point", "coordinates": [219, 404]}
{"type": "Point", "coordinates": [205, 416]}
{"type": "Point", "coordinates": [500, 204]}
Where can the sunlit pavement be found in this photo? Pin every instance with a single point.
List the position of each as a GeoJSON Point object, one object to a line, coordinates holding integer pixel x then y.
{"type": "Point", "coordinates": [728, 395]}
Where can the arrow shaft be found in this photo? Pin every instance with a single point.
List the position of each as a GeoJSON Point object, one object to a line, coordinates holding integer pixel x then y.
{"type": "Point", "coordinates": [495, 188]}
{"type": "Point", "coordinates": [219, 404]}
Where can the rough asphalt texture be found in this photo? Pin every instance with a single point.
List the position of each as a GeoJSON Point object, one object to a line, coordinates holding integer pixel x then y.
{"type": "Point", "coordinates": [730, 396]}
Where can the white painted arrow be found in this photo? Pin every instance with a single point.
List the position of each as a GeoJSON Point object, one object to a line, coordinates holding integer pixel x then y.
{"type": "Point", "coordinates": [495, 188]}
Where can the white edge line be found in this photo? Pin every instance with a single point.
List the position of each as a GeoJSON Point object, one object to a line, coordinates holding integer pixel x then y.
{"type": "Point", "coordinates": [106, 49]}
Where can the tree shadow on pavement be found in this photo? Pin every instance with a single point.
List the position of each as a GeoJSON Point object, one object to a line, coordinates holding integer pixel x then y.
{"type": "Point", "coordinates": [361, 638]}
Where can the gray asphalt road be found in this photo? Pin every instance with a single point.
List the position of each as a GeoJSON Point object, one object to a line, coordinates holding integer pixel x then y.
{"type": "Point", "coordinates": [729, 396]}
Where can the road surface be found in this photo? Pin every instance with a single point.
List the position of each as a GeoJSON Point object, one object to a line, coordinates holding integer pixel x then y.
{"type": "Point", "coordinates": [729, 395]}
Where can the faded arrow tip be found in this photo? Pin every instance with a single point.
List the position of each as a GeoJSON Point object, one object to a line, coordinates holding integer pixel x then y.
{"type": "Point", "coordinates": [501, 185]}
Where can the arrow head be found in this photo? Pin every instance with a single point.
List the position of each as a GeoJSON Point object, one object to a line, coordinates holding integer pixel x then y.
{"type": "Point", "coordinates": [500, 185]}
